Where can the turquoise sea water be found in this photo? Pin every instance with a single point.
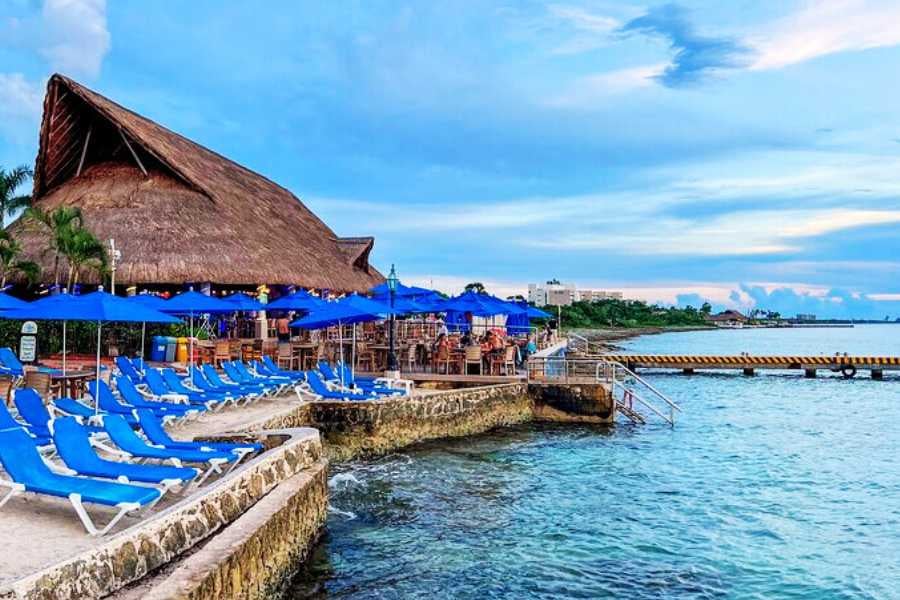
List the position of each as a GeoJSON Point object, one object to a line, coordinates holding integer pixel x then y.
{"type": "Point", "coordinates": [772, 486]}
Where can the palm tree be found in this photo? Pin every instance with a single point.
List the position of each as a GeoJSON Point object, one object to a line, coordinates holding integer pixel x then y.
{"type": "Point", "coordinates": [9, 182]}
{"type": "Point", "coordinates": [10, 250]}
{"type": "Point", "coordinates": [60, 223]}
{"type": "Point", "coordinates": [83, 250]}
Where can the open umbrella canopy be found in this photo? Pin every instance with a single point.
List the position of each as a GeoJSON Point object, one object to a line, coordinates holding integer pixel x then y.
{"type": "Point", "coordinates": [191, 302]}
{"type": "Point", "coordinates": [299, 300]}
{"type": "Point", "coordinates": [369, 305]}
{"type": "Point", "coordinates": [97, 306]}
{"type": "Point", "coordinates": [149, 300]}
{"type": "Point", "coordinates": [403, 304]}
{"type": "Point", "coordinates": [402, 290]}
{"type": "Point", "coordinates": [242, 301]}
{"type": "Point", "coordinates": [335, 313]}
{"type": "Point", "coordinates": [8, 302]}
{"type": "Point", "coordinates": [480, 305]}
{"type": "Point", "coordinates": [536, 313]}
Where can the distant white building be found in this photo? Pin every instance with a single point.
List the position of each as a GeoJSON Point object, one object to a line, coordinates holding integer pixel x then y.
{"type": "Point", "coordinates": [554, 293]}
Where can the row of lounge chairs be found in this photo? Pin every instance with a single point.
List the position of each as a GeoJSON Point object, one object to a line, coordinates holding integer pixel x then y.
{"type": "Point", "coordinates": [105, 460]}
{"type": "Point", "coordinates": [118, 453]}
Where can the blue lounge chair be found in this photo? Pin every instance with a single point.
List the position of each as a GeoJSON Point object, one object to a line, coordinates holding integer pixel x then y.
{"type": "Point", "coordinates": [8, 422]}
{"type": "Point", "coordinates": [235, 375]}
{"type": "Point", "coordinates": [73, 443]}
{"type": "Point", "coordinates": [158, 435]}
{"type": "Point", "coordinates": [11, 362]}
{"type": "Point", "coordinates": [318, 387]}
{"type": "Point", "coordinates": [32, 410]}
{"type": "Point", "coordinates": [159, 388]}
{"type": "Point", "coordinates": [213, 377]}
{"type": "Point", "coordinates": [127, 368]}
{"type": "Point", "coordinates": [109, 404]}
{"type": "Point", "coordinates": [269, 367]}
{"type": "Point", "coordinates": [129, 444]}
{"type": "Point", "coordinates": [380, 384]}
{"type": "Point", "coordinates": [232, 395]}
{"type": "Point", "coordinates": [133, 396]}
{"type": "Point", "coordinates": [281, 380]}
{"type": "Point", "coordinates": [371, 386]}
{"type": "Point", "coordinates": [29, 473]}
{"type": "Point", "coordinates": [178, 386]}
{"type": "Point", "coordinates": [237, 370]}
{"type": "Point", "coordinates": [74, 408]}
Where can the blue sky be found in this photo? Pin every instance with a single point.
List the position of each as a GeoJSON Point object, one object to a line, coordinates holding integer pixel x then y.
{"type": "Point", "coordinates": [744, 152]}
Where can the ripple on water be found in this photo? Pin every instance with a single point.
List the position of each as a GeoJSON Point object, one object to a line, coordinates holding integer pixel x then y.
{"type": "Point", "coordinates": [770, 487]}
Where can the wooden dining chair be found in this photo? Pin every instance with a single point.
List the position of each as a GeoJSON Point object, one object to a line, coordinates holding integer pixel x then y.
{"type": "Point", "coordinates": [40, 381]}
{"type": "Point", "coordinates": [365, 356]}
{"type": "Point", "coordinates": [6, 384]}
{"type": "Point", "coordinates": [286, 356]}
{"type": "Point", "coordinates": [409, 357]}
{"type": "Point", "coordinates": [442, 360]}
{"type": "Point", "coordinates": [234, 348]}
{"type": "Point", "coordinates": [473, 357]}
{"type": "Point", "coordinates": [222, 352]}
{"type": "Point", "coordinates": [509, 363]}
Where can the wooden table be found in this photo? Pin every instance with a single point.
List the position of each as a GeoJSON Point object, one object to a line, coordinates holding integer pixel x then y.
{"type": "Point", "coordinates": [73, 380]}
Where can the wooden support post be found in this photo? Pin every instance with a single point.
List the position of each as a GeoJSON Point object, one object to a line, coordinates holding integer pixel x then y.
{"type": "Point", "coordinates": [87, 140]}
{"type": "Point", "coordinates": [877, 374]}
{"type": "Point", "coordinates": [133, 153]}
{"type": "Point", "coordinates": [749, 372]}
{"type": "Point", "coordinates": [687, 371]}
{"type": "Point", "coordinates": [809, 373]}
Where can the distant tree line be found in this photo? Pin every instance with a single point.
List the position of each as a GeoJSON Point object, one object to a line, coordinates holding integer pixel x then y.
{"type": "Point", "coordinates": [630, 313]}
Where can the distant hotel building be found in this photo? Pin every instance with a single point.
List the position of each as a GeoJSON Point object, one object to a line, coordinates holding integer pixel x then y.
{"type": "Point", "coordinates": [554, 293]}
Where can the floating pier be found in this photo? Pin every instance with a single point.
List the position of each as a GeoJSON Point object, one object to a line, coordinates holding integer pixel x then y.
{"type": "Point", "coordinates": [748, 364]}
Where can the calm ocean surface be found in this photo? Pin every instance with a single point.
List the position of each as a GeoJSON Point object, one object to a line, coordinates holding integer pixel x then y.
{"type": "Point", "coordinates": [771, 486]}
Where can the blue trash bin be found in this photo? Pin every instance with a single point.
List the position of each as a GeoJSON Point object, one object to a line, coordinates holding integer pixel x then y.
{"type": "Point", "coordinates": [158, 349]}
{"type": "Point", "coordinates": [171, 344]}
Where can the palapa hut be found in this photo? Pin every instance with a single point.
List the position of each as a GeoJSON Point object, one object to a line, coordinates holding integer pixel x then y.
{"type": "Point", "coordinates": [179, 212]}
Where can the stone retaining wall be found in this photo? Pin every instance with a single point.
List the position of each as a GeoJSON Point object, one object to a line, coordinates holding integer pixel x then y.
{"type": "Point", "coordinates": [133, 553]}
{"type": "Point", "coordinates": [359, 429]}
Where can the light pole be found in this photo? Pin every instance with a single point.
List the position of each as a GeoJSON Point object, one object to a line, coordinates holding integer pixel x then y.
{"type": "Point", "coordinates": [115, 256]}
{"type": "Point", "coordinates": [392, 288]}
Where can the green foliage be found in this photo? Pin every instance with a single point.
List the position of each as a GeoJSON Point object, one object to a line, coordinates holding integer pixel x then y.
{"type": "Point", "coordinates": [10, 250]}
{"type": "Point", "coordinates": [69, 238]}
{"type": "Point", "coordinates": [9, 182]}
{"type": "Point", "coordinates": [628, 313]}
{"type": "Point", "coordinates": [475, 286]}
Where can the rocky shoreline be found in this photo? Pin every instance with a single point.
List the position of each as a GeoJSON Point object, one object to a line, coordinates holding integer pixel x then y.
{"type": "Point", "coordinates": [605, 339]}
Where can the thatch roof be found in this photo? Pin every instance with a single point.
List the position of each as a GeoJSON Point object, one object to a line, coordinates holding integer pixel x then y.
{"type": "Point", "coordinates": [179, 212]}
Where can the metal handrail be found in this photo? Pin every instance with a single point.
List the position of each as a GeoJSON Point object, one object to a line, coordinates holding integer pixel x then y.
{"type": "Point", "coordinates": [619, 366]}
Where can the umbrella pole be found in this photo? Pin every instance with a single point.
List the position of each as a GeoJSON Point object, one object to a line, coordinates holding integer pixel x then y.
{"type": "Point", "coordinates": [64, 349]}
{"type": "Point", "coordinates": [191, 346]}
{"type": "Point", "coordinates": [97, 384]}
{"type": "Point", "coordinates": [341, 344]}
{"type": "Point", "coordinates": [353, 354]}
{"type": "Point", "coordinates": [143, 344]}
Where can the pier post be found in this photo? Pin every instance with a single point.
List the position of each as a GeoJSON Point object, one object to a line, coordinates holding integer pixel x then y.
{"type": "Point", "coordinates": [809, 373]}
{"type": "Point", "coordinates": [877, 374]}
{"type": "Point", "coordinates": [749, 372]}
{"type": "Point", "coordinates": [687, 371]}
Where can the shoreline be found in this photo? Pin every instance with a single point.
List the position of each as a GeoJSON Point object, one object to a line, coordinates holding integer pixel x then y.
{"type": "Point", "coordinates": [606, 337]}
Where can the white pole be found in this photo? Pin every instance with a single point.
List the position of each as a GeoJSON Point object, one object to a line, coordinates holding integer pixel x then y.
{"type": "Point", "coordinates": [97, 383]}
{"type": "Point", "coordinates": [341, 343]}
{"type": "Point", "coordinates": [64, 349]}
{"type": "Point", "coordinates": [353, 354]}
{"type": "Point", "coordinates": [191, 346]}
{"type": "Point", "coordinates": [143, 344]}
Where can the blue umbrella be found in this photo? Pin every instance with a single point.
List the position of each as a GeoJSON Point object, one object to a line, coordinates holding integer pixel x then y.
{"type": "Point", "coordinates": [369, 305]}
{"type": "Point", "coordinates": [536, 313]}
{"type": "Point", "coordinates": [340, 314]}
{"type": "Point", "coordinates": [190, 303]}
{"type": "Point", "coordinates": [299, 300]}
{"type": "Point", "coordinates": [98, 306]}
{"type": "Point", "coordinates": [47, 303]}
{"type": "Point", "coordinates": [8, 302]}
{"type": "Point", "coordinates": [242, 301]}
{"type": "Point", "coordinates": [402, 290]}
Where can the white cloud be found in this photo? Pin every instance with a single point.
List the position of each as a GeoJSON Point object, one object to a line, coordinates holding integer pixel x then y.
{"type": "Point", "coordinates": [594, 88]}
{"type": "Point", "coordinates": [74, 35]}
{"type": "Point", "coordinates": [19, 97]}
{"type": "Point", "coordinates": [825, 27]}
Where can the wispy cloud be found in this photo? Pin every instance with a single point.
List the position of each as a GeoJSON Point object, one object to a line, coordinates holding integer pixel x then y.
{"type": "Point", "coordinates": [826, 27]}
{"type": "Point", "coordinates": [76, 38]}
{"type": "Point", "coordinates": [695, 56]}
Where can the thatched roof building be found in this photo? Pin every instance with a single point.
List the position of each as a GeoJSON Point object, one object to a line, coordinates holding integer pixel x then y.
{"type": "Point", "coordinates": [179, 212]}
